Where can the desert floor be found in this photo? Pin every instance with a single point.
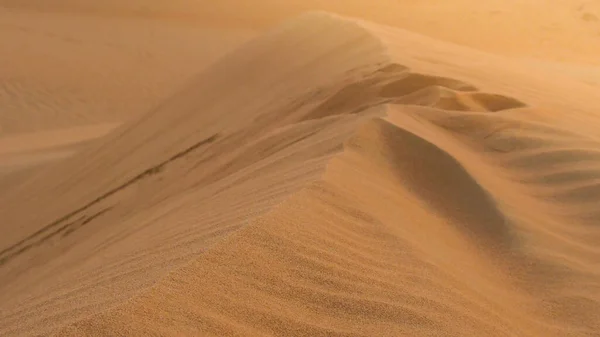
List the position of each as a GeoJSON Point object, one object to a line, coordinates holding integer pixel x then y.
{"type": "Point", "coordinates": [299, 168]}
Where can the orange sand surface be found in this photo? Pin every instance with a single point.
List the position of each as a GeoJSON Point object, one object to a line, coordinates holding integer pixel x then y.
{"type": "Point", "coordinates": [399, 168]}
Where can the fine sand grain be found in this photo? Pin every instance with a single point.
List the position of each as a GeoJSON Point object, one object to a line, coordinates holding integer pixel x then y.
{"type": "Point", "coordinates": [331, 177]}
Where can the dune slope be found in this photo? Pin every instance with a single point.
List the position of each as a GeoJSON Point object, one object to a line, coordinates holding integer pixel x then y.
{"type": "Point", "coordinates": [64, 70]}
{"type": "Point", "coordinates": [331, 178]}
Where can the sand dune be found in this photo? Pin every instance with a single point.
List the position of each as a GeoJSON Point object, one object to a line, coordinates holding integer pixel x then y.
{"type": "Point", "coordinates": [560, 30]}
{"type": "Point", "coordinates": [22, 155]}
{"type": "Point", "coordinates": [67, 71]}
{"type": "Point", "coordinates": [333, 177]}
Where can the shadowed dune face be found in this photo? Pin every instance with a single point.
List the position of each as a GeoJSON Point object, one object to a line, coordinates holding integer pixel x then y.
{"type": "Point", "coordinates": [318, 182]}
{"type": "Point", "coordinates": [394, 83]}
{"type": "Point", "coordinates": [454, 195]}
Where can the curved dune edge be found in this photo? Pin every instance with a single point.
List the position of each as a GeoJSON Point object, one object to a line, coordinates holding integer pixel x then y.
{"type": "Point", "coordinates": [353, 194]}
{"type": "Point", "coordinates": [381, 242]}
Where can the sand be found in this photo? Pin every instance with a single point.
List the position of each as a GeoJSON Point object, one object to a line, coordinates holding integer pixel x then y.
{"type": "Point", "coordinates": [333, 176]}
{"type": "Point", "coordinates": [71, 70]}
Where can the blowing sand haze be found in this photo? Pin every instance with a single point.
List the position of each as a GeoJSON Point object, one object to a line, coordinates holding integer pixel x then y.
{"type": "Point", "coordinates": [329, 177]}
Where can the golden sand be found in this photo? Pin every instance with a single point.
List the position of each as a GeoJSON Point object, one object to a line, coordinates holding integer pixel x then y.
{"type": "Point", "coordinates": [332, 176]}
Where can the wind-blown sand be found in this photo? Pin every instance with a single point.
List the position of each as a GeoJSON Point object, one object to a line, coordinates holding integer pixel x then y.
{"type": "Point", "coordinates": [64, 69]}
{"type": "Point", "coordinates": [332, 177]}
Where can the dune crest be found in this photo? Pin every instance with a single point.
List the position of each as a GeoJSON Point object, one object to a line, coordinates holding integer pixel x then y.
{"type": "Point", "coordinates": [330, 178]}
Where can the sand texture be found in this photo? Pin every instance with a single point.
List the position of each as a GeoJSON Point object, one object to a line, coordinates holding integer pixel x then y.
{"type": "Point", "coordinates": [63, 69]}
{"type": "Point", "coordinates": [330, 177]}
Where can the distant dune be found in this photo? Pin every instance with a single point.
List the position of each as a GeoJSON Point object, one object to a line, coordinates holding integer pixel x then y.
{"type": "Point", "coordinates": [560, 30]}
{"type": "Point", "coordinates": [332, 177]}
{"type": "Point", "coordinates": [81, 62]}
{"type": "Point", "coordinates": [67, 70]}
